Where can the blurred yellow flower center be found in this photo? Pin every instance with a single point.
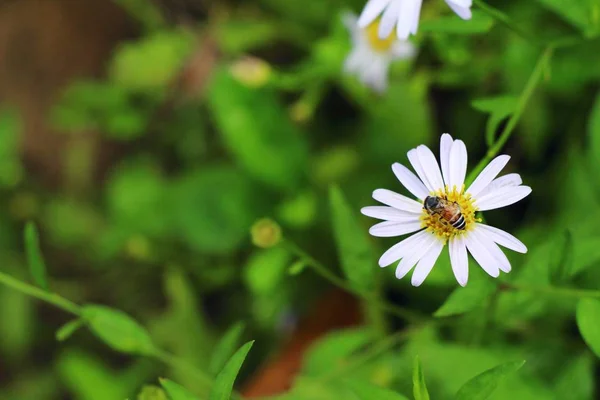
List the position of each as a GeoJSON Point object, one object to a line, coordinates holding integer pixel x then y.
{"type": "Point", "coordinates": [437, 224]}
{"type": "Point", "coordinates": [379, 45]}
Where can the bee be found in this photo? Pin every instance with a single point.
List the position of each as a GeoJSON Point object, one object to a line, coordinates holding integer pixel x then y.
{"type": "Point", "coordinates": [449, 211]}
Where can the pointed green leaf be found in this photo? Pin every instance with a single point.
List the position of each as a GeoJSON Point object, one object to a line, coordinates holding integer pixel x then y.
{"type": "Point", "coordinates": [583, 14]}
{"type": "Point", "coordinates": [118, 330]}
{"type": "Point", "coordinates": [176, 391]}
{"type": "Point", "coordinates": [562, 262]}
{"type": "Point", "coordinates": [65, 331]}
{"type": "Point", "coordinates": [484, 384]}
{"type": "Point", "coordinates": [334, 348]}
{"type": "Point", "coordinates": [226, 347]}
{"type": "Point", "coordinates": [35, 260]}
{"type": "Point", "coordinates": [152, 392]}
{"type": "Point", "coordinates": [419, 388]}
{"type": "Point", "coordinates": [464, 299]}
{"type": "Point", "coordinates": [499, 108]}
{"type": "Point", "coordinates": [588, 315]}
{"type": "Point", "coordinates": [224, 381]}
{"type": "Point", "coordinates": [257, 132]}
{"type": "Point", "coordinates": [353, 247]}
{"type": "Point", "coordinates": [367, 391]}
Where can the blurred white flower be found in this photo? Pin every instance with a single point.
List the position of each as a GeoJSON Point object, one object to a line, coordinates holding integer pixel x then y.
{"type": "Point", "coordinates": [445, 213]}
{"type": "Point", "coordinates": [370, 57]}
{"type": "Point", "coordinates": [404, 14]}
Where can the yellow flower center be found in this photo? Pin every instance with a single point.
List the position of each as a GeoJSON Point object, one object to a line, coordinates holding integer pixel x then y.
{"type": "Point", "coordinates": [379, 45]}
{"type": "Point", "coordinates": [436, 224]}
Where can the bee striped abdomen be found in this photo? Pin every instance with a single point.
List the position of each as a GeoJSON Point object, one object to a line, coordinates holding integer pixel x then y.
{"type": "Point", "coordinates": [460, 222]}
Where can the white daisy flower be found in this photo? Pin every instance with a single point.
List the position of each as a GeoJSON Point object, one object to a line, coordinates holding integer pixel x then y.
{"type": "Point", "coordinates": [371, 56]}
{"type": "Point", "coordinates": [404, 14]}
{"type": "Point", "coordinates": [444, 213]}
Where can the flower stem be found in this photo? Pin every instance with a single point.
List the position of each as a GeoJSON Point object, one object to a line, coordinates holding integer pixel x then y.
{"type": "Point", "coordinates": [553, 290]}
{"type": "Point", "coordinates": [73, 308]}
{"type": "Point", "coordinates": [504, 20]}
{"type": "Point", "coordinates": [325, 273]}
{"type": "Point", "coordinates": [532, 83]}
{"type": "Point", "coordinates": [33, 291]}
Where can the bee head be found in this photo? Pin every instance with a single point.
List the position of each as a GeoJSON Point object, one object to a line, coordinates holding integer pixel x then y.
{"type": "Point", "coordinates": [431, 202]}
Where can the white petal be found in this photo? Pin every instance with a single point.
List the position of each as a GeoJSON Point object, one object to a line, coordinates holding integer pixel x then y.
{"type": "Point", "coordinates": [416, 15]}
{"type": "Point", "coordinates": [431, 167]}
{"type": "Point", "coordinates": [503, 238]}
{"type": "Point", "coordinates": [410, 181]}
{"type": "Point", "coordinates": [426, 166]}
{"type": "Point", "coordinates": [402, 50]}
{"type": "Point", "coordinates": [458, 164]}
{"type": "Point", "coordinates": [401, 249]}
{"type": "Point", "coordinates": [445, 147]}
{"type": "Point", "coordinates": [406, 19]}
{"type": "Point", "coordinates": [387, 213]}
{"type": "Point", "coordinates": [376, 74]}
{"type": "Point", "coordinates": [463, 12]}
{"type": "Point", "coordinates": [372, 11]}
{"type": "Point", "coordinates": [462, 3]}
{"type": "Point", "coordinates": [502, 197]}
{"type": "Point", "coordinates": [506, 180]}
{"type": "Point", "coordinates": [397, 201]}
{"type": "Point", "coordinates": [493, 249]}
{"type": "Point", "coordinates": [487, 175]}
{"type": "Point", "coordinates": [350, 21]}
{"type": "Point", "coordinates": [426, 263]}
{"type": "Point", "coordinates": [415, 161]}
{"type": "Point", "coordinates": [353, 63]}
{"type": "Point", "coordinates": [482, 255]}
{"type": "Point", "coordinates": [459, 260]}
{"type": "Point", "coordinates": [389, 19]}
{"type": "Point", "coordinates": [411, 258]}
{"type": "Point", "coordinates": [392, 228]}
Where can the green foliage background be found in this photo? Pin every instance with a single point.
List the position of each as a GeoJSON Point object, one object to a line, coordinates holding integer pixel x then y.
{"type": "Point", "coordinates": [157, 260]}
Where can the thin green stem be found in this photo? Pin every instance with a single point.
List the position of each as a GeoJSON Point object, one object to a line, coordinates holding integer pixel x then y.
{"type": "Point", "coordinates": [530, 87]}
{"type": "Point", "coordinates": [552, 290]}
{"type": "Point", "coordinates": [73, 308]}
{"type": "Point", "coordinates": [33, 291]}
{"type": "Point", "coordinates": [504, 20]}
{"type": "Point", "coordinates": [325, 273]}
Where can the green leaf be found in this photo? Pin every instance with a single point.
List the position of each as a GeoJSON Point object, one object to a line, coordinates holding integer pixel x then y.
{"type": "Point", "coordinates": [593, 130]}
{"type": "Point", "coordinates": [35, 260]}
{"type": "Point", "coordinates": [479, 23]}
{"type": "Point", "coordinates": [176, 391]}
{"type": "Point", "coordinates": [499, 108]}
{"type": "Point", "coordinates": [419, 388]}
{"type": "Point", "coordinates": [464, 299]}
{"type": "Point", "coordinates": [583, 14]}
{"type": "Point", "coordinates": [226, 347]}
{"type": "Point", "coordinates": [266, 269]}
{"type": "Point", "coordinates": [151, 63]}
{"type": "Point", "coordinates": [353, 247]}
{"type": "Point", "coordinates": [331, 350]}
{"type": "Point", "coordinates": [65, 331]}
{"type": "Point", "coordinates": [152, 392]}
{"type": "Point", "coordinates": [223, 385]}
{"type": "Point", "coordinates": [562, 264]}
{"type": "Point", "coordinates": [118, 330]}
{"type": "Point", "coordinates": [257, 132]}
{"type": "Point", "coordinates": [367, 391]}
{"type": "Point", "coordinates": [484, 384]}
{"type": "Point", "coordinates": [214, 220]}
{"type": "Point", "coordinates": [588, 315]}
